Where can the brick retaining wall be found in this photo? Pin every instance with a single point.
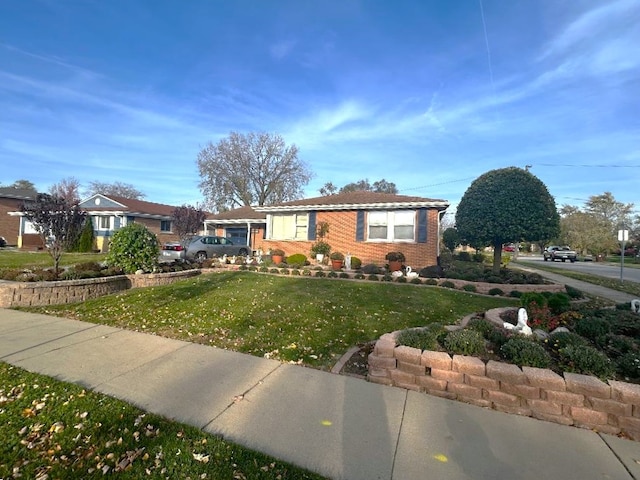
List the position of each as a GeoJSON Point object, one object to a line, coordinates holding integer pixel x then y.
{"type": "Point", "coordinates": [33, 294]}
{"type": "Point", "coordinates": [571, 399]}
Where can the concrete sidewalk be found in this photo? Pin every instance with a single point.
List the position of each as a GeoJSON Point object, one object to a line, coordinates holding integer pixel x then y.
{"type": "Point", "coordinates": [338, 426]}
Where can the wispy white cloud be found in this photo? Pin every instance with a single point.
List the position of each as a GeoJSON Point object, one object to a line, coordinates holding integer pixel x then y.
{"type": "Point", "coordinates": [282, 49]}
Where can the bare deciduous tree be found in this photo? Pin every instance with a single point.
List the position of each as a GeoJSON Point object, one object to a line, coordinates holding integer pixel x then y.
{"type": "Point", "coordinates": [67, 189]}
{"type": "Point", "coordinates": [186, 221]}
{"type": "Point", "coordinates": [251, 169]}
{"type": "Point", "coordinates": [118, 189]}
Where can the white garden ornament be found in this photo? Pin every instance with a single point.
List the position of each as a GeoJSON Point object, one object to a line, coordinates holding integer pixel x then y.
{"type": "Point", "coordinates": [522, 326]}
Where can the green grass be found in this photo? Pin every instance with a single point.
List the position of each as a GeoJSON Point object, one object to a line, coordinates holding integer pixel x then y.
{"type": "Point", "coordinates": [629, 287]}
{"type": "Point", "coordinates": [42, 259]}
{"type": "Point", "coordinates": [311, 321]}
{"type": "Point", "coordinates": [52, 429]}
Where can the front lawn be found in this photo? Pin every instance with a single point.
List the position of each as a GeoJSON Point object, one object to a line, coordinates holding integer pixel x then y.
{"type": "Point", "coordinates": [52, 429]}
{"type": "Point", "coordinates": [23, 259]}
{"type": "Point", "coordinates": [311, 321]}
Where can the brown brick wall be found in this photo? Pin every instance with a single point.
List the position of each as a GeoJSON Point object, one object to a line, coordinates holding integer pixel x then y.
{"type": "Point", "coordinates": [342, 238]}
{"type": "Point", "coordinates": [578, 400]}
{"type": "Point", "coordinates": [9, 226]}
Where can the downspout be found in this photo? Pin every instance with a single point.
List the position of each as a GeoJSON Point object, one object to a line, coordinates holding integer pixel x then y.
{"type": "Point", "coordinates": [440, 215]}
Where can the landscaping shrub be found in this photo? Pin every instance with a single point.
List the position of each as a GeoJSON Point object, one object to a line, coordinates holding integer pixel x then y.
{"type": "Point", "coordinates": [263, 269]}
{"type": "Point", "coordinates": [359, 276]}
{"type": "Point", "coordinates": [529, 298]}
{"type": "Point", "coordinates": [497, 337]}
{"type": "Point", "coordinates": [87, 266]}
{"type": "Point", "coordinates": [559, 303]}
{"type": "Point", "coordinates": [425, 338]}
{"type": "Point", "coordinates": [621, 322]}
{"type": "Point", "coordinates": [535, 279]}
{"type": "Point", "coordinates": [373, 277]}
{"type": "Point", "coordinates": [592, 328]}
{"type": "Point", "coordinates": [297, 260]}
{"type": "Point", "coordinates": [295, 271]}
{"type": "Point", "coordinates": [433, 271]}
{"type": "Point", "coordinates": [585, 360]}
{"type": "Point", "coordinates": [344, 275]}
{"type": "Point", "coordinates": [573, 293]}
{"type": "Point", "coordinates": [469, 288]}
{"type": "Point", "coordinates": [387, 278]}
{"type": "Point", "coordinates": [463, 256]}
{"type": "Point", "coordinates": [320, 273]}
{"type": "Point", "coordinates": [332, 274]}
{"type": "Point", "coordinates": [416, 281]}
{"type": "Point", "coordinates": [617, 345]}
{"type": "Point", "coordinates": [515, 293]}
{"type": "Point", "coordinates": [402, 279]}
{"type": "Point", "coordinates": [493, 279]}
{"type": "Point", "coordinates": [628, 365]}
{"type": "Point", "coordinates": [525, 352]}
{"type": "Point", "coordinates": [478, 257]}
{"type": "Point", "coordinates": [134, 248]}
{"type": "Point", "coordinates": [559, 340]}
{"type": "Point", "coordinates": [464, 342]}
{"type": "Point", "coordinates": [447, 284]}
{"type": "Point", "coordinates": [356, 263]}
{"type": "Point", "coordinates": [623, 306]}
{"type": "Point", "coordinates": [496, 291]}
{"type": "Point", "coordinates": [86, 240]}
{"type": "Point", "coordinates": [431, 281]}
{"type": "Point", "coordinates": [306, 272]}
{"type": "Point", "coordinates": [481, 325]}
{"type": "Point", "coordinates": [371, 269]}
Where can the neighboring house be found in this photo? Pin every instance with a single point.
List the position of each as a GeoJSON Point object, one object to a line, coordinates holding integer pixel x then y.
{"type": "Point", "coordinates": [243, 226]}
{"type": "Point", "coordinates": [364, 224]}
{"type": "Point", "coordinates": [109, 213]}
{"type": "Point", "coordinates": [11, 200]}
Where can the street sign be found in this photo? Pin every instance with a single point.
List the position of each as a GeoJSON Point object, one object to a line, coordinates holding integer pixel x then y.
{"type": "Point", "coordinates": [623, 235]}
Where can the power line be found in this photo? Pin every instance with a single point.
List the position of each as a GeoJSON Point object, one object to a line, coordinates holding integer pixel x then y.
{"type": "Point", "coordinates": [584, 165]}
{"type": "Point", "coordinates": [437, 184]}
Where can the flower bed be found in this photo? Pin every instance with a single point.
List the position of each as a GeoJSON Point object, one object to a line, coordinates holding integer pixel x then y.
{"type": "Point", "coordinates": [567, 398]}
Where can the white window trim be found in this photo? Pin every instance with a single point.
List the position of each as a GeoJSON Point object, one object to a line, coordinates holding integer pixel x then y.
{"type": "Point", "coordinates": [99, 223]}
{"type": "Point", "coordinates": [391, 227]}
{"type": "Point", "coordinates": [170, 225]}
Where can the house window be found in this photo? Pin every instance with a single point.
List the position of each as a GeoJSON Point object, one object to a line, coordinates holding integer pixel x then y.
{"type": "Point", "coordinates": [104, 223]}
{"type": "Point", "coordinates": [165, 225]}
{"type": "Point", "coordinates": [394, 226]}
{"type": "Point", "coordinates": [289, 227]}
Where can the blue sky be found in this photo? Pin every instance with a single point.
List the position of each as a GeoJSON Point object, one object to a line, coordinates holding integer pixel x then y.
{"type": "Point", "coordinates": [422, 93]}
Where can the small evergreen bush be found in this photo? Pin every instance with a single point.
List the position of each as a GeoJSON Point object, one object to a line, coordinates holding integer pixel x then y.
{"type": "Point", "coordinates": [469, 288]}
{"type": "Point", "coordinates": [464, 342]}
{"type": "Point", "coordinates": [559, 340]}
{"type": "Point", "coordinates": [433, 271]}
{"type": "Point", "coordinates": [464, 256]}
{"type": "Point", "coordinates": [371, 269]}
{"type": "Point", "coordinates": [515, 294]}
{"type": "Point", "coordinates": [344, 275]}
{"type": "Point", "coordinates": [558, 303]}
{"type": "Point", "coordinates": [359, 276]}
{"type": "Point", "coordinates": [320, 273]}
{"type": "Point", "coordinates": [373, 277]}
{"type": "Point", "coordinates": [573, 293]}
{"type": "Point", "coordinates": [485, 327]}
{"type": "Point", "coordinates": [496, 291]}
{"type": "Point", "coordinates": [332, 274]}
{"type": "Point", "coordinates": [529, 298]}
{"type": "Point", "coordinates": [416, 281]}
{"type": "Point", "coordinates": [525, 352]}
{"type": "Point", "coordinates": [356, 263]}
{"type": "Point", "coordinates": [402, 279]}
{"type": "Point", "coordinates": [431, 281]}
{"type": "Point", "coordinates": [448, 284]}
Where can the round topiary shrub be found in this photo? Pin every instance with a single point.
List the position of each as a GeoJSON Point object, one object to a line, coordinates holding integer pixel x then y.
{"type": "Point", "coordinates": [515, 293]}
{"type": "Point", "coordinates": [356, 263]}
{"type": "Point", "coordinates": [134, 248]}
{"type": "Point", "coordinates": [297, 260]}
{"type": "Point", "coordinates": [402, 279]}
{"type": "Point", "coordinates": [529, 298]}
{"type": "Point", "coordinates": [343, 275]}
{"type": "Point", "coordinates": [448, 284]}
{"type": "Point", "coordinates": [431, 281]}
{"type": "Point", "coordinates": [320, 273]}
{"type": "Point", "coordinates": [469, 288]}
{"type": "Point", "coordinates": [373, 277]}
{"type": "Point", "coordinates": [573, 292]}
{"type": "Point", "coordinates": [359, 276]}
{"type": "Point", "coordinates": [525, 352]}
{"type": "Point", "coordinates": [332, 274]}
{"type": "Point", "coordinates": [592, 327]}
{"type": "Point", "coordinates": [416, 281]}
{"type": "Point", "coordinates": [496, 292]}
{"type": "Point", "coordinates": [586, 360]}
{"type": "Point", "coordinates": [464, 342]}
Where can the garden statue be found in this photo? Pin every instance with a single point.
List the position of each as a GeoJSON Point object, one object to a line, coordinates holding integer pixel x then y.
{"type": "Point", "coordinates": [522, 326]}
{"type": "Point", "coordinates": [635, 306]}
{"type": "Point", "coordinates": [410, 274]}
{"type": "Point", "coordinates": [396, 274]}
{"type": "Point", "coordinates": [347, 261]}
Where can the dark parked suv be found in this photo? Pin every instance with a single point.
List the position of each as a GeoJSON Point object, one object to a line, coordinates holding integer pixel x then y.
{"type": "Point", "coordinates": [555, 252]}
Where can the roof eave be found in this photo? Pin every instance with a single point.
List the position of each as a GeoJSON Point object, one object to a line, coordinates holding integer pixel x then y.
{"type": "Point", "coordinates": [440, 205]}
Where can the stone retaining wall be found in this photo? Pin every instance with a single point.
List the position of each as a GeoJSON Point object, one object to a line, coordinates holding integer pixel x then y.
{"type": "Point", "coordinates": [32, 294]}
{"type": "Point", "coordinates": [571, 399]}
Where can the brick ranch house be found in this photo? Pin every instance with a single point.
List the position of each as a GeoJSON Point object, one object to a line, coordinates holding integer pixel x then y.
{"type": "Point", "coordinates": [364, 224]}
{"type": "Point", "coordinates": [108, 214]}
{"type": "Point", "coordinates": [11, 200]}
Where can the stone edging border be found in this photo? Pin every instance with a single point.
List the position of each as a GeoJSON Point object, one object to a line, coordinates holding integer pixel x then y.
{"type": "Point", "coordinates": [32, 294]}
{"type": "Point", "coordinates": [571, 399]}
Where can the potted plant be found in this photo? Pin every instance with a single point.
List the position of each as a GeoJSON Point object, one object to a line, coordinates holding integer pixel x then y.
{"type": "Point", "coordinates": [337, 259]}
{"type": "Point", "coordinates": [277, 255]}
{"type": "Point", "coordinates": [319, 249]}
{"type": "Point", "coordinates": [395, 259]}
